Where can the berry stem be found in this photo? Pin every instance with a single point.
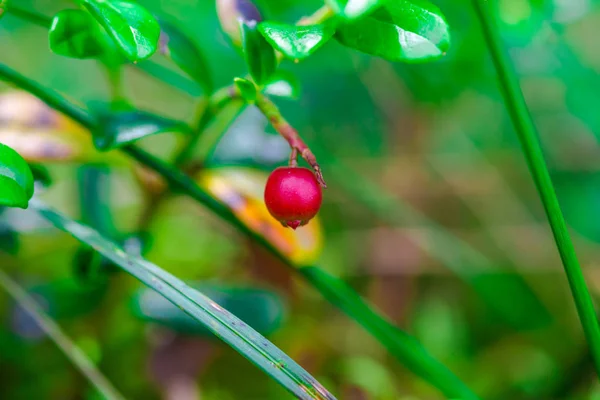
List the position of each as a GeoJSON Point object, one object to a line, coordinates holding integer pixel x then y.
{"type": "Point", "coordinates": [270, 110]}
{"type": "Point", "coordinates": [293, 158]}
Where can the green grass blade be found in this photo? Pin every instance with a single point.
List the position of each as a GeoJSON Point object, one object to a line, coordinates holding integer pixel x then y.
{"type": "Point", "coordinates": [219, 321]}
{"type": "Point", "coordinates": [526, 131]}
{"type": "Point", "coordinates": [66, 345]}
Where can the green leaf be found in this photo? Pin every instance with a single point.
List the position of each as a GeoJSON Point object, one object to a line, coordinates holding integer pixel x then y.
{"type": "Point", "coordinates": [354, 9]}
{"type": "Point", "coordinates": [260, 309]}
{"type": "Point", "coordinates": [16, 179]}
{"type": "Point", "coordinates": [247, 89]}
{"type": "Point", "coordinates": [408, 31]}
{"type": "Point", "coordinates": [296, 42]}
{"type": "Point", "coordinates": [11, 194]}
{"type": "Point", "coordinates": [130, 25]}
{"type": "Point", "coordinates": [216, 319]}
{"type": "Point", "coordinates": [120, 128]}
{"type": "Point", "coordinates": [177, 46]}
{"type": "Point", "coordinates": [75, 33]}
{"type": "Point", "coordinates": [283, 84]}
{"type": "Point", "coordinates": [259, 55]}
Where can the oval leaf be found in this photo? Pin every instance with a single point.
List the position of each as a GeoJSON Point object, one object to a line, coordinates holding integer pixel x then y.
{"type": "Point", "coordinates": [260, 309]}
{"type": "Point", "coordinates": [16, 184]}
{"type": "Point", "coordinates": [409, 31]}
{"type": "Point", "coordinates": [246, 88]}
{"type": "Point", "coordinates": [242, 190]}
{"type": "Point", "coordinates": [130, 25]}
{"type": "Point", "coordinates": [259, 55]}
{"type": "Point", "coordinates": [296, 42]}
{"type": "Point", "coordinates": [120, 128]}
{"type": "Point", "coordinates": [215, 318]}
{"type": "Point", "coordinates": [75, 33]}
{"type": "Point", "coordinates": [177, 46]}
{"type": "Point", "coordinates": [353, 9]}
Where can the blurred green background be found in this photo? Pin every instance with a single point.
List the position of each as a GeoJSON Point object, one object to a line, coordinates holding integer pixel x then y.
{"type": "Point", "coordinates": [430, 214]}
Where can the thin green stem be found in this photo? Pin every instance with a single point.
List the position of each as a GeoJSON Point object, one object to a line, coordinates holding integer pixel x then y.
{"type": "Point", "coordinates": [29, 15]}
{"type": "Point", "coordinates": [66, 345]}
{"type": "Point", "coordinates": [400, 344]}
{"type": "Point", "coordinates": [115, 80]}
{"type": "Point", "coordinates": [526, 131]}
{"type": "Point", "coordinates": [48, 96]}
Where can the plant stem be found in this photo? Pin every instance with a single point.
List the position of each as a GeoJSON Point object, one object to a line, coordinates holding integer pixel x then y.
{"type": "Point", "coordinates": [270, 110]}
{"type": "Point", "coordinates": [29, 15]}
{"type": "Point", "coordinates": [115, 80]}
{"type": "Point", "coordinates": [66, 345]}
{"type": "Point", "coordinates": [48, 96]}
{"type": "Point", "coordinates": [526, 131]}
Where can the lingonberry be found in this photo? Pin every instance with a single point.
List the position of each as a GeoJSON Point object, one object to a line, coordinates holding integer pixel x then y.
{"type": "Point", "coordinates": [293, 195]}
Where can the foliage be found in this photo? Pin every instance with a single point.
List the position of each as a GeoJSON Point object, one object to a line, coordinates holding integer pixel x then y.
{"type": "Point", "coordinates": [422, 167]}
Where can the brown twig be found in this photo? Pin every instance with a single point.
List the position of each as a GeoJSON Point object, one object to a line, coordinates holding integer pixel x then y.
{"type": "Point", "coordinates": [270, 110]}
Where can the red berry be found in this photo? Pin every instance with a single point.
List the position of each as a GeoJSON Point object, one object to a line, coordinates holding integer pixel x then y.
{"type": "Point", "coordinates": [293, 195]}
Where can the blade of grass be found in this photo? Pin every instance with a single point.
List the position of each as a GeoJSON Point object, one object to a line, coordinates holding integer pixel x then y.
{"type": "Point", "coordinates": [526, 131]}
{"type": "Point", "coordinates": [409, 353]}
{"type": "Point", "coordinates": [219, 321]}
{"type": "Point", "coordinates": [70, 349]}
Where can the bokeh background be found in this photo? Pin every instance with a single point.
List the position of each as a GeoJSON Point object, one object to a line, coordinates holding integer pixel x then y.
{"type": "Point", "coordinates": [430, 214]}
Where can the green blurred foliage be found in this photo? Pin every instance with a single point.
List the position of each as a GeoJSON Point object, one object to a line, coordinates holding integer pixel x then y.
{"type": "Point", "coordinates": [434, 136]}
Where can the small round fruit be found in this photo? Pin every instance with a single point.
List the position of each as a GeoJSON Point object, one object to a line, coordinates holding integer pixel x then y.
{"type": "Point", "coordinates": [293, 196]}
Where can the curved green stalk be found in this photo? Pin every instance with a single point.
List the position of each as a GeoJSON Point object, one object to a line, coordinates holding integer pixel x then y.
{"type": "Point", "coordinates": [66, 345]}
{"type": "Point", "coordinates": [401, 345]}
{"type": "Point", "coordinates": [534, 156]}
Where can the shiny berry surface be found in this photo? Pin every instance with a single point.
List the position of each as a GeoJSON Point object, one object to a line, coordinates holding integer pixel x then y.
{"type": "Point", "coordinates": [293, 196]}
